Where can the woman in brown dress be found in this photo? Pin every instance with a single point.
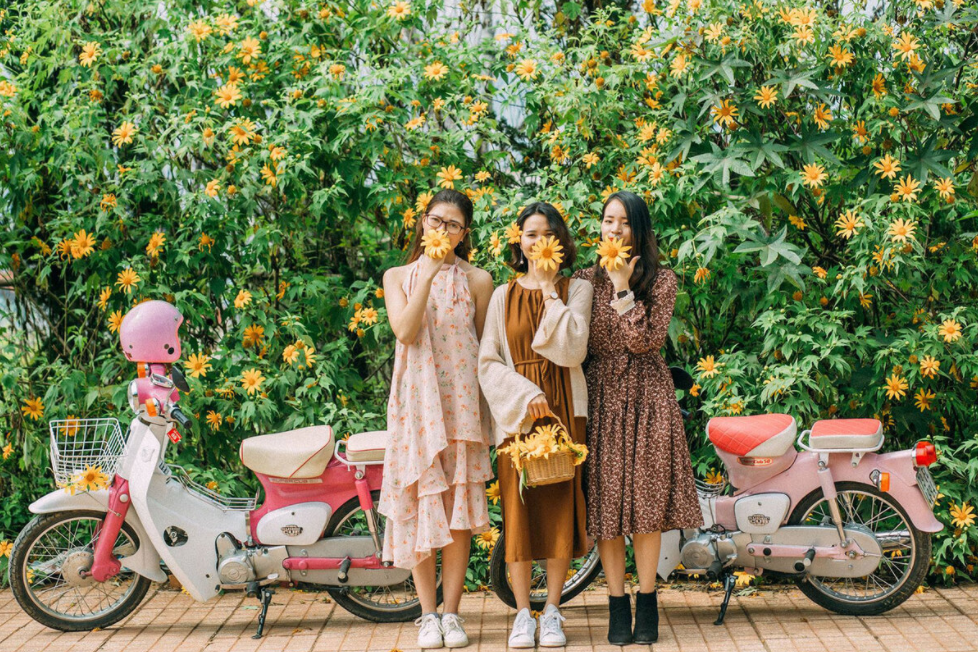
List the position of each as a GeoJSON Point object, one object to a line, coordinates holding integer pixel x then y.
{"type": "Point", "coordinates": [530, 357]}
{"type": "Point", "coordinates": [639, 475]}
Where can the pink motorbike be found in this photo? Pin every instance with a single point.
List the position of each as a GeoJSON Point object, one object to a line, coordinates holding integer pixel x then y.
{"type": "Point", "coordinates": [87, 558]}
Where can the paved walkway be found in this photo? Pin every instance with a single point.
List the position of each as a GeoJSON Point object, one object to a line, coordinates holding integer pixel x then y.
{"type": "Point", "coordinates": [770, 620]}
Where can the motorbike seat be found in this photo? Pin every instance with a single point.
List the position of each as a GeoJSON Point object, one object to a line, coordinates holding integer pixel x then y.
{"type": "Point", "coordinates": [758, 435]}
{"type": "Point", "coordinates": [367, 446]}
{"type": "Point", "coordinates": [301, 453]}
{"type": "Point", "coordinates": [846, 434]}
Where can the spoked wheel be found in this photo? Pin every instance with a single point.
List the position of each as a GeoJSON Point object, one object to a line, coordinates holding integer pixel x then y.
{"type": "Point", "coordinates": [902, 568]}
{"type": "Point", "coordinates": [47, 573]}
{"type": "Point", "coordinates": [583, 571]}
{"type": "Point", "coordinates": [381, 604]}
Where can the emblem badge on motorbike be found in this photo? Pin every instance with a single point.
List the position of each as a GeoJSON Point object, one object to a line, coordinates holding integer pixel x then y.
{"type": "Point", "coordinates": [174, 536]}
{"type": "Point", "coordinates": [291, 530]}
{"type": "Point", "coordinates": [758, 519]}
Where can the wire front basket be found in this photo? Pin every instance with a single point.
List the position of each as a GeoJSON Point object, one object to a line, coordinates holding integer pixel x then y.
{"type": "Point", "coordinates": [80, 444]}
{"type": "Point", "coordinates": [709, 489]}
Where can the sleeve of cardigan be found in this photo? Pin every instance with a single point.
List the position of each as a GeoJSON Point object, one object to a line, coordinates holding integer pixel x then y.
{"type": "Point", "coordinates": [563, 332]}
{"type": "Point", "coordinates": [646, 325]}
{"type": "Point", "coordinates": [507, 392]}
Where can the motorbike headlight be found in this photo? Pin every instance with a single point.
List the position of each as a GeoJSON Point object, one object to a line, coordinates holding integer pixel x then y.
{"type": "Point", "coordinates": [132, 394]}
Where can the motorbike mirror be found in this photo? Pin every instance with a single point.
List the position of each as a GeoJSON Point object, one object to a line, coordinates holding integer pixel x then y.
{"type": "Point", "coordinates": [178, 379]}
{"type": "Point", "coordinates": [681, 378]}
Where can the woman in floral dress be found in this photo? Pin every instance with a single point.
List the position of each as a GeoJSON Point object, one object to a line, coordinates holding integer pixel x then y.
{"type": "Point", "coordinates": [639, 475]}
{"type": "Point", "coordinates": [437, 458]}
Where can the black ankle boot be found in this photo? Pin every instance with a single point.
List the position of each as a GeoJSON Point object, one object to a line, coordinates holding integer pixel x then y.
{"type": "Point", "coordinates": [646, 618]}
{"type": "Point", "coordinates": [620, 620]}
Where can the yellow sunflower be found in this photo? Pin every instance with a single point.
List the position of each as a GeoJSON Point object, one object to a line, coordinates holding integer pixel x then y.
{"type": "Point", "coordinates": [613, 253]}
{"type": "Point", "coordinates": [436, 244]}
{"type": "Point", "coordinates": [547, 253]}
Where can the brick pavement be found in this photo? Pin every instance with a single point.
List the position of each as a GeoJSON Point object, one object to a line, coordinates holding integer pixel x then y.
{"type": "Point", "coordinates": [770, 620]}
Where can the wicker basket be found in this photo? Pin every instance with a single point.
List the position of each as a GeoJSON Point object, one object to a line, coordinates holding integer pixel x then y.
{"type": "Point", "coordinates": [559, 467]}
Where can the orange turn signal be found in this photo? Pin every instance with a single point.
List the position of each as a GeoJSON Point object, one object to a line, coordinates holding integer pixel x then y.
{"type": "Point", "coordinates": [151, 408]}
{"type": "Point", "coordinates": [884, 482]}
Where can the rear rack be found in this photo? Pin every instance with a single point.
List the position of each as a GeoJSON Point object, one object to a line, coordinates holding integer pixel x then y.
{"type": "Point", "coordinates": [804, 442]}
{"type": "Point", "coordinates": [342, 459]}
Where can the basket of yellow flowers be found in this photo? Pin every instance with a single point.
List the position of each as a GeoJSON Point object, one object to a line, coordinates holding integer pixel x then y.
{"type": "Point", "coordinates": [545, 456]}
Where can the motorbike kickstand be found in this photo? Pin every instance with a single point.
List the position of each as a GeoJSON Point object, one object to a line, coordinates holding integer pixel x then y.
{"type": "Point", "coordinates": [265, 597]}
{"type": "Point", "coordinates": [729, 582]}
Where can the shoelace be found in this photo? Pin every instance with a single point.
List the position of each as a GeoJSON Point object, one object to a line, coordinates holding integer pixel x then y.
{"type": "Point", "coordinates": [451, 622]}
{"type": "Point", "coordinates": [427, 622]}
{"type": "Point", "coordinates": [550, 623]}
{"type": "Point", "coordinates": [523, 626]}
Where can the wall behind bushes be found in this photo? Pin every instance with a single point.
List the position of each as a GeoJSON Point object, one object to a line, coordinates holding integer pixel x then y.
{"type": "Point", "coordinates": [810, 168]}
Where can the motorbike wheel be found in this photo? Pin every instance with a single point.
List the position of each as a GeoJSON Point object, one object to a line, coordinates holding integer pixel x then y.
{"type": "Point", "coordinates": [584, 570]}
{"type": "Point", "coordinates": [903, 566]}
{"type": "Point", "coordinates": [380, 604]}
{"type": "Point", "coordinates": [44, 573]}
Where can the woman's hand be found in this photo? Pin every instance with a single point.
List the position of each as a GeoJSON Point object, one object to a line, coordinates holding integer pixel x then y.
{"type": "Point", "coordinates": [538, 407]}
{"type": "Point", "coordinates": [620, 277]}
{"type": "Point", "coordinates": [430, 266]}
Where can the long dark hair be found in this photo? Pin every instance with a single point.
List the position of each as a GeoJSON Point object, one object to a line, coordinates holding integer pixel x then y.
{"type": "Point", "coordinates": [644, 242]}
{"type": "Point", "coordinates": [557, 225]}
{"type": "Point", "coordinates": [459, 201]}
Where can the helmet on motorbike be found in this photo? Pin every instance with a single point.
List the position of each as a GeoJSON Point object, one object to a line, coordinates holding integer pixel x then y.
{"type": "Point", "coordinates": [149, 333]}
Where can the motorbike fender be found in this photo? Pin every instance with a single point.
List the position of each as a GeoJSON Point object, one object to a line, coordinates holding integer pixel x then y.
{"type": "Point", "coordinates": [145, 562]}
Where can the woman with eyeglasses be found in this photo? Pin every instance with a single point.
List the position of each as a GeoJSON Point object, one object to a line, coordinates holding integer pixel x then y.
{"type": "Point", "coordinates": [437, 458]}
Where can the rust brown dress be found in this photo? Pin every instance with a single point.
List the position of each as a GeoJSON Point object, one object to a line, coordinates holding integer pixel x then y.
{"type": "Point", "coordinates": [639, 475]}
{"type": "Point", "coordinates": [549, 522]}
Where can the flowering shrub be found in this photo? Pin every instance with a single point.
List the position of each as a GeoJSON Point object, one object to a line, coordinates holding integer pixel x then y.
{"type": "Point", "coordinates": [810, 172]}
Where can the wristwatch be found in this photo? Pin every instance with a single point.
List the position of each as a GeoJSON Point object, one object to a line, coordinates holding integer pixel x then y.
{"type": "Point", "coordinates": [623, 294]}
{"type": "Point", "coordinates": [554, 295]}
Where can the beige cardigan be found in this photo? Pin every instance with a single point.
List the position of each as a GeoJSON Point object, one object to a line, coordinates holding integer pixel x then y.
{"type": "Point", "coordinates": [561, 338]}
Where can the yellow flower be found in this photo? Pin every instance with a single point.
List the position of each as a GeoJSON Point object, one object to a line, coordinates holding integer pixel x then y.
{"type": "Point", "coordinates": [613, 253]}
{"type": "Point", "coordinates": [907, 188]}
{"type": "Point", "coordinates": [33, 408]}
{"type": "Point", "coordinates": [82, 245]}
{"type": "Point", "coordinates": [839, 56]}
{"type": "Point", "coordinates": [950, 330]}
{"type": "Point", "coordinates": [945, 187]}
{"type": "Point", "coordinates": [251, 380]}
{"type": "Point", "coordinates": [866, 300]}
{"type": "Point", "coordinates": [269, 175]}
{"type": "Point", "coordinates": [415, 123]}
{"type": "Point", "coordinates": [400, 10]}
{"type": "Point", "coordinates": [492, 493]}
{"type": "Point", "coordinates": [290, 354]}
{"type": "Point", "coordinates": [486, 540]}
{"type": "Point", "coordinates": [91, 479]}
{"type": "Point", "coordinates": [527, 69]}
{"type": "Point", "coordinates": [8, 450]}
{"type": "Point", "coordinates": [905, 45]}
{"type": "Point", "coordinates": [103, 298]}
{"type": "Point", "coordinates": [369, 315]}
{"type": "Point", "coordinates": [822, 116]}
{"type": "Point", "coordinates": [436, 244]}
{"type": "Point", "coordinates": [5, 548]}
{"type": "Point", "coordinates": [887, 167]}
{"type": "Point", "coordinates": [205, 241]}
{"type": "Point", "coordinates": [108, 202]}
{"type": "Point", "coordinates": [896, 387]}
{"type": "Point", "coordinates": [743, 579]}
{"type": "Point", "coordinates": [879, 86]}
{"type": "Point", "coordinates": [798, 222]}
{"type": "Point", "coordinates": [250, 49]}
{"type": "Point", "coordinates": [213, 187]}
{"type": "Point", "coordinates": [242, 300]}
{"type": "Point", "coordinates": [962, 516]}
{"type": "Point", "coordinates": [714, 477]}
{"type": "Point", "coordinates": [122, 135]}
{"type": "Point", "coordinates": [679, 65]}
{"type": "Point", "coordinates": [848, 224]}
{"type": "Point", "coordinates": [156, 241]}
{"type": "Point", "coordinates": [227, 23]}
{"type": "Point", "coordinates": [90, 53]}
{"type": "Point", "coordinates": [199, 30]}
{"type": "Point", "coordinates": [115, 321]}
{"type": "Point", "coordinates": [242, 132]}
{"type": "Point", "coordinates": [813, 175]}
{"type": "Point", "coordinates": [198, 365]}
{"type": "Point", "coordinates": [547, 253]}
{"type": "Point", "coordinates": [929, 366]}
{"type": "Point", "coordinates": [449, 176]}
{"type": "Point", "coordinates": [725, 114]}
{"type": "Point", "coordinates": [819, 272]}
{"type": "Point", "coordinates": [435, 71]}
{"type": "Point", "coordinates": [127, 280]}
{"type": "Point", "coordinates": [513, 233]}
{"type": "Point", "coordinates": [253, 335]}
{"type": "Point", "coordinates": [923, 398]}
{"type": "Point", "coordinates": [227, 95]}
{"type": "Point", "coordinates": [702, 275]}
{"type": "Point", "coordinates": [707, 367]}
{"type": "Point", "coordinates": [901, 229]}
{"type": "Point", "coordinates": [766, 96]}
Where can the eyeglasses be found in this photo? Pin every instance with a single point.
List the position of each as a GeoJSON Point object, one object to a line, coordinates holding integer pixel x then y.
{"type": "Point", "coordinates": [436, 222]}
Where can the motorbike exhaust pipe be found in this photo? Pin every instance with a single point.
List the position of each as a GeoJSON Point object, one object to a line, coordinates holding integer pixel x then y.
{"type": "Point", "coordinates": [802, 565]}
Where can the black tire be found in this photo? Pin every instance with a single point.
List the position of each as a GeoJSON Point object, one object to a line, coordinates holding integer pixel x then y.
{"type": "Point", "coordinates": [24, 595]}
{"type": "Point", "coordinates": [913, 578]}
{"type": "Point", "coordinates": [499, 578]}
{"type": "Point", "coordinates": [346, 596]}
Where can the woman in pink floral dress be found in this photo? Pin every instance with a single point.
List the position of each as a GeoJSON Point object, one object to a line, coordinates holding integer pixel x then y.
{"type": "Point", "coordinates": [437, 459]}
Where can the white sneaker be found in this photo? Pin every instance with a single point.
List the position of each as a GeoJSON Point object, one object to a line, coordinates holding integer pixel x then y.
{"type": "Point", "coordinates": [430, 635]}
{"type": "Point", "coordinates": [451, 627]}
{"type": "Point", "coordinates": [551, 631]}
{"type": "Point", "coordinates": [524, 630]}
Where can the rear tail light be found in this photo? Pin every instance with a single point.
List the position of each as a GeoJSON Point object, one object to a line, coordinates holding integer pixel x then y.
{"type": "Point", "coordinates": [925, 454]}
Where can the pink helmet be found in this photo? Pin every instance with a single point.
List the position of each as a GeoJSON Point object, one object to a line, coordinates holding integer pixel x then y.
{"type": "Point", "coordinates": [149, 333]}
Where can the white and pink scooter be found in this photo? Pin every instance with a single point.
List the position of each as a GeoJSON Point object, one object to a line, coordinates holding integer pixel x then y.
{"type": "Point", "coordinates": [86, 560]}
